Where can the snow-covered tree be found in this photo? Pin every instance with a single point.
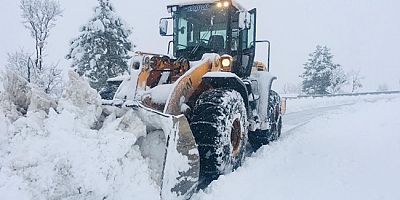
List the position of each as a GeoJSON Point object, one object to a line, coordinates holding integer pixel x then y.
{"type": "Point", "coordinates": [39, 18]}
{"type": "Point", "coordinates": [355, 81]}
{"type": "Point", "coordinates": [338, 80]}
{"type": "Point", "coordinates": [49, 79]}
{"type": "Point", "coordinates": [317, 77]}
{"type": "Point", "coordinates": [21, 63]}
{"type": "Point", "coordinates": [101, 50]}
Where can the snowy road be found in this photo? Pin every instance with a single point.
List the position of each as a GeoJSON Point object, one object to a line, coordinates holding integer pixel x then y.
{"type": "Point", "coordinates": [297, 119]}
{"type": "Point", "coordinates": [343, 149]}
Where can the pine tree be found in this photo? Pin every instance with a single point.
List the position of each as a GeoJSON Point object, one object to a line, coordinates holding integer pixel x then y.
{"type": "Point", "coordinates": [319, 72]}
{"type": "Point", "coordinates": [101, 50]}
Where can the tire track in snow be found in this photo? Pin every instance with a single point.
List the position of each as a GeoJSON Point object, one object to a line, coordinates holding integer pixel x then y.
{"type": "Point", "coordinates": [295, 120]}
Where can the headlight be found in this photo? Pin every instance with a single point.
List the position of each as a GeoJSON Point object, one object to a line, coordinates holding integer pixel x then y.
{"type": "Point", "coordinates": [226, 4]}
{"type": "Point", "coordinates": [226, 62]}
{"type": "Point", "coordinates": [223, 4]}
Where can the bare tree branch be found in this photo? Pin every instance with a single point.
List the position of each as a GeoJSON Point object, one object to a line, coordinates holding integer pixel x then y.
{"type": "Point", "coordinates": [355, 79]}
{"type": "Point", "coordinates": [20, 62]}
{"type": "Point", "coordinates": [39, 17]}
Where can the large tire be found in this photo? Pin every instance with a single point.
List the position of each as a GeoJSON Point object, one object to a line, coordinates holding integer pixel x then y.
{"type": "Point", "coordinates": [219, 125]}
{"type": "Point", "coordinates": [274, 110]}
{"type": "Point", "coordinates": [263, 137]}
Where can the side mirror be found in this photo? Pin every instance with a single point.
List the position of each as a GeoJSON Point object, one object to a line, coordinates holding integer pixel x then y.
{"type": "Point", "coordinates": [163, 27]}
{"type": "Point", "coordinates": [244, 20]}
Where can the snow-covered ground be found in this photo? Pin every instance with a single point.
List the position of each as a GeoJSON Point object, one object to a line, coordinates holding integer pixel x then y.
{"type": "Point", "coordinates": [335, 148]}
{"type": "Point", "coordinates": [344, 152]}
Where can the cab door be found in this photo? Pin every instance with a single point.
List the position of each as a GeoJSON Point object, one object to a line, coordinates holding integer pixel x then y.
{"type": "Point", "coordinates": [247, 47]}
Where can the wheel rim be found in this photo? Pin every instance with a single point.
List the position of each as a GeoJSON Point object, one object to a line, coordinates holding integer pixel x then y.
{"type": "Point", "coordinates": [236, 137]}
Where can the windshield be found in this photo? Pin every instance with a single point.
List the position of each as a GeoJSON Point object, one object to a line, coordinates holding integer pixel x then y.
{"type": "Point", "coordinates": [200, 29]}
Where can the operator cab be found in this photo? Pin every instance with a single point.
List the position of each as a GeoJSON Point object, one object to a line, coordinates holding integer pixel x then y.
{"type": "Point", "coordinates": [222, 27]}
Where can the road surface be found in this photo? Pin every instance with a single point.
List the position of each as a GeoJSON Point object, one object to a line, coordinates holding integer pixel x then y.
{"type": "Point", "coordinates": [343, 149]}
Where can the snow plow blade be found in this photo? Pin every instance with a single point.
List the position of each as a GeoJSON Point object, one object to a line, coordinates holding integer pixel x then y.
{"type": "Point", "coordinates": [181, 165]}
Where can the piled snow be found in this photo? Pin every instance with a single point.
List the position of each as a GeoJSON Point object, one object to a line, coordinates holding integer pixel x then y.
{"type": "Point", "coordinates": [159, 94]}
{"type": "Point", "coordinates": [18, 97]}
{"type": "Point", "coordinates": [349, 153]}
{"type": "Point", "coordinates": [153, 149]}
{"type": "Point", "coordinates": [74, 152]}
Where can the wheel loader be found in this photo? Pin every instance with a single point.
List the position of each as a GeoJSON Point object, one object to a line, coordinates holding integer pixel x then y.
{"type": "Point", "coordinates": [207, 99]}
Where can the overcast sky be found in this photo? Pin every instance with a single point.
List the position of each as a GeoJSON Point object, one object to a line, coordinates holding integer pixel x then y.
{"type": "Point", "coordinates": [363, 34]}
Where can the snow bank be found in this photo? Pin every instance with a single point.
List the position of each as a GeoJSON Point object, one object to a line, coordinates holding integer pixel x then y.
{"type": "Point", "coordinates": [74, 152]}
{"type": "Point", "coordinates": [349, 153]}
{"type": "Point", "coordinates": [16, 91]}
{"type": "Point", "coordinates": [20, 97]}
{"type": "Point", "coordinates": [296, 105]}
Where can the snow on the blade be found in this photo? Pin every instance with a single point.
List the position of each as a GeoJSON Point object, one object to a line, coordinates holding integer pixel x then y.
{"type": "Point", "coordinates": [221, 75]}
{"type": "Point", "coordinates": [126, 91]}
{"type": "Point", "coordinates": [160, 93]}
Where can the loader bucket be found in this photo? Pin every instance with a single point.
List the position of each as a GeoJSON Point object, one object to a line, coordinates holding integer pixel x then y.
{"type": "Point", "coordinates": [180, 173]}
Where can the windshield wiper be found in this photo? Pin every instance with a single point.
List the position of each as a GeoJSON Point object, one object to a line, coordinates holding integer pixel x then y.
{"type": "Point", "coordinates": [210, 28]}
